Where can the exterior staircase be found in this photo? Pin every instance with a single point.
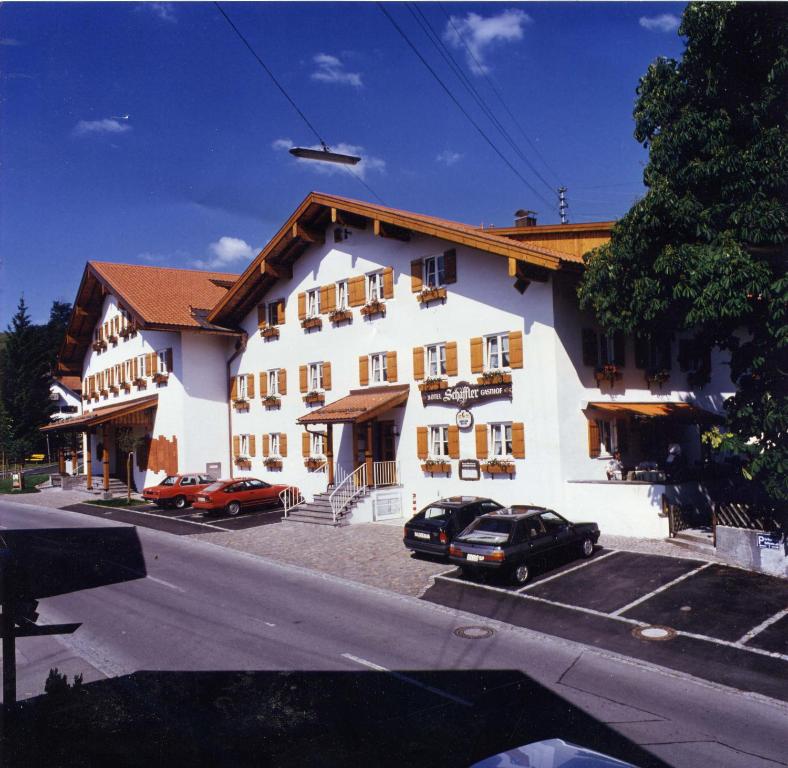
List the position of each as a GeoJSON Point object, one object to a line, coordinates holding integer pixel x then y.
{"type": "Point", "coordinates": [116, 487]}
{"type": "Point", "coordinates": [318, 511]}
{"type": "Point", "coordinates": [695, 540]}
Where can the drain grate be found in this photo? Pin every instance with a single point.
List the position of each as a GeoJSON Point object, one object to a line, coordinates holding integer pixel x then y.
{"type": "Point", "coordinates": [654, 633]}
{"type": "Point", "coordinates": [474, 633]}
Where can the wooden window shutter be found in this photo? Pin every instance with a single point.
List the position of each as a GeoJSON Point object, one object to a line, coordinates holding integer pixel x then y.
{"type": "Point", "coordinates": [590, 356]}
{"type": "Point", "coordinates": [302, 378]}
{"type": "Point", "coordinates": [305, 444]}
{"type": "Point", "coordinates": [173, 470]}
{"type": "Point", "coordinates": [685, 353]}
{"type": "Point", "coordinates": [261, 316]}
{"type": "Point", "coordinates": [641, 352]}
{"type": "Point", "coordinates": [388, 283]}
{"type": "Point", "coordinates": [301, 305]}
{"type": "Point", "coordinates": [416, 275]}
{"type": "Point", "coordinates": [664, 354]}
{"type": "Point", "coordinates": [326, 375]}
{"type": "Point", "coordinates": [234, 388]}
{"type": "Point", "coordinates": [148, 369]}
{"type": "Point", "coordinates": [363, 370]}
{"type": "Point", "coordinates": [515, 349]}
{"type": "Point", "coordinates": [236, 446]}
{"type": "Point", "coordinates": [282, 381]}
{"type": "Point", "coordinates": [252, 445]}
{"type": "Point", "coordinates": [418, 363]}
{"type": "Point", "coordinates": [250, 385]}
{"type": "Point", "coordinates": [283, 445]}
{"type": "Point", "coordinates": [454, 441]}
{"type": "Point", "coordinates": [356, 291]}
{"type": "Point", "coordinates": [481, 441]}
{"type": "Point", "coordinates": [135, 371]}
{"type": "Point", "coordinates": [391, 366]}
{"type": "Point", "coordinates": [594, 445]}
{"type": "Point", "coordinates": [263, 383]}
{"type": "Point", "coordinates": [168, 359]}
{"type": "Point", "coordinates": [451, 358]}
{"type": "Point", "coordinates": [280, 312]}
{"type": "Point", "coordinates": [477, 354]}
{"type": "Point", "coordinates": [266, 446]}
{"type": "Point", "coordinates": [450, 266]}
{"type": "Point", "coordinates": [619, 349]}
{"type": "Point", "coordinates": [324, 299]}
{"type": "Point", "coordinates": [422, 442]}
{"type": "Point", "coordinates": [518, 440]}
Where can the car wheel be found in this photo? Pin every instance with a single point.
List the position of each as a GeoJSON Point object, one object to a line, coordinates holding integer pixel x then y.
{"type": "Point", "coordinates": [180, 502]}
{"type": "Point", "coordinates": [233, 508]}
{"type": "Point", "coordinates": [521, 573]}
{"type": "Point", "coordinates": [587, 547]}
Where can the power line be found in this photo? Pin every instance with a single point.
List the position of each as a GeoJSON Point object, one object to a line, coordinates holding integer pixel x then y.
{"type": "Point", "coordinates": [460, 107]}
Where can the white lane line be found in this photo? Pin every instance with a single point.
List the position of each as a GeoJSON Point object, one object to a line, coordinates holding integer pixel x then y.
{"type": "Point", "coordinates": [406, 679]}
{"type": "Point", "coordinates": [747, 636]}
{"type": "Point", "coordinates": [568, 570]}
{"type": "Point", "coordinates": [269, 624]}
{"type": "Point", "coordinates": [162, 517]}
{"type": "Point", "coordinates": [166, 584]}
{"type": "Point", "coordinates": [670, 584]}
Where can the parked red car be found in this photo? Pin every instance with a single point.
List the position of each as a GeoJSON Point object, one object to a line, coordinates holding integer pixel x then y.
{"type": "Point", "coordinates": [231, 496]}
{"type": "Point", "coordinates": [177, 490]}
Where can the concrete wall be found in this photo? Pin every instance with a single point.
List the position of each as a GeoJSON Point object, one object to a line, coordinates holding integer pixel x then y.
{"type": "Point", "coordinates": [741, 546]}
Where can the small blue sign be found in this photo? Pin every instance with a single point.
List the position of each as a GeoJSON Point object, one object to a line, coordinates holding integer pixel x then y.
{"type": "Point", "coordinates": [769, 541]}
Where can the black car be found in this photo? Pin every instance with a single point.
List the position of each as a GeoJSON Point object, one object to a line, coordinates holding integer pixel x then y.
{"type": "Point", "coordinates": [512, 540]}
{"type": "Point", "coordinates": [432, 530]}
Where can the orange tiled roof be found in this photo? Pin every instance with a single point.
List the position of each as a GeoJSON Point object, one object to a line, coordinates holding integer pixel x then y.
{"type": "Point", "coordinates": [360, 405]}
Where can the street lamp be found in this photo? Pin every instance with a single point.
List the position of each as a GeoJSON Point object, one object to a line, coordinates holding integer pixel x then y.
{"type": "Point", "coordinates": [324, 155]}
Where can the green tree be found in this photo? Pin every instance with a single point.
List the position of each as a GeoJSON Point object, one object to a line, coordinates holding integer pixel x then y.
{"type": "Point", "coordinates": [704, 251]}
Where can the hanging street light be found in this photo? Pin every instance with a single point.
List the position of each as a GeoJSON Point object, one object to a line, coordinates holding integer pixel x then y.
{"type": "Point", "coordinates": [324, 155]}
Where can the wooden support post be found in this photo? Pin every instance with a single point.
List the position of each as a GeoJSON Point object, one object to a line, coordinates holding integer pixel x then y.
{"type": "Point", "coordinates": [105, 459]}
{"type": "Point", "coordinates": [74, 455]}
{"type": "Point", "coordinates": [368, 453]}
{"type": "Point", "coordinates": [355, 447]}
{"type": "Point", "coordinates": [61, 461]}
{"type": "Point", "coordinates": [330, 453]}
{"type": "Point", "coordinates": [87, 454]}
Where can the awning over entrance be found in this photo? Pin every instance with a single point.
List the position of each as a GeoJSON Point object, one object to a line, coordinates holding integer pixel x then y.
{"type": "Point", "coordinates": [110, 413]}
{"type": "Point", "coordinates": [359, 406]}
{"type": "Point", "coordinates": [686, 412]}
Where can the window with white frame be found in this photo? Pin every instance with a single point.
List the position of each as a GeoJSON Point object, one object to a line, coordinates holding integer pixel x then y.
{"type": "Point", "coordinates": [375, 286]}
{"type": "Point", "coordinates": [501, 439]}
{"type": "Point", "coordinates": [243, 445]}
{"type": "Point", "coordinates": [273, 382]}
{"type": "Point", "coordinates": [141, 366]}
{"type": "Point", "coordinates": [129, 370]}
{"type": "Point", "coordinates": [342, 295]}
{"type": "Point", "coordinates": [439, 441]}
{"type": "Point", "coordinates": [241, 387]}
{"type": "Point", "coordinates": [434, 271]}
{"type": "Point", "coordinates": [273, 439]}
{"type": "Point", "coordinates": [436, 360]}
{"type": "Point", "coordinates": [315, 376]}
{"type": "Point", "coordinates": [273, 313]}
{"type": "Point", "coordinates": [117, 374]}
{"type": "Point", "coordinates": [608, 437]}
{"type": "Point", "coordinates": [162, 357]}
{"type": "Point", "coordinates": [313, 303]}
{"type": "Point", "coordinates": [497, 351]}
{"type": "Point", "coordinates": [317, 447]}
{"type": "Point", "coordinates": [377, 368]}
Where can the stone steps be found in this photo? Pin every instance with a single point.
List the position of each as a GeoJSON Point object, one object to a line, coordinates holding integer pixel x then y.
{"type": "Point", "coordinates": [318, 511]}
{"type": "Point", "coordinates": [694, 540]}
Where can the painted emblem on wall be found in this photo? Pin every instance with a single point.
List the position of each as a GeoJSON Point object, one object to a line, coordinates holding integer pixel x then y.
{"type": "Point", "coordinates": [464, 419]}
{"type": "Point", "coordinates": [463, 394]}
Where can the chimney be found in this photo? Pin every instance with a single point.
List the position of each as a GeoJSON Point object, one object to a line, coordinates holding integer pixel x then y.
{"type": "Point", "coordinates": [524, 218]}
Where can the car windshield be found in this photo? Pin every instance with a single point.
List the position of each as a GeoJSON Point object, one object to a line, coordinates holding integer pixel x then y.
{"type": "Point", "coordinates": [488, 530]}
{"type": "Point", "coordinates": [214, 487]}
{"type": "Point", "coordinates": [169, 480]}
{"type": "Point", "coordinates": [435, 513]}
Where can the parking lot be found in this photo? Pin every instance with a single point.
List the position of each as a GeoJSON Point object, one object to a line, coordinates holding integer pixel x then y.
{"type": "Point", "coordinates": [712, 620]}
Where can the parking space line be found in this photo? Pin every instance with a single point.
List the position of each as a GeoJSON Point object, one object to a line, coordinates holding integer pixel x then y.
{"type": "Point", "coordinates": [670, 584]}
{"type": "Point", "coordinates": [171, 519]}
{"type": "Point", "coordinates": [165, 583]}
{"type": "Point", "coordinates": [747, 636]}
{"type": "Point", "coordinates": [591, 561]}
{"type": "Point", "coordinates": [406, 679]}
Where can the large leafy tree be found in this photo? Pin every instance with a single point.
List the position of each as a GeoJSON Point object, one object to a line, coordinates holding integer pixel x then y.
{"type": "Point", "coordinates": [704, 251]}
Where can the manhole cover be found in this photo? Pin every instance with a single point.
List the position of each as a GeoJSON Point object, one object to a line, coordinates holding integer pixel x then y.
{"type": "Point", "coordinates": [654, 633]}
{"type": "Point", "coordinates": [474, 633]}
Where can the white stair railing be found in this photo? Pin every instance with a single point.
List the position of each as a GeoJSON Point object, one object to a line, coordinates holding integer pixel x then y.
{"type": "Point", "coordinates": [385, 473]}
{"type": "Point", "coordinates": [290, 497]}
{"type": "Point", "coordinates": [354, 485]}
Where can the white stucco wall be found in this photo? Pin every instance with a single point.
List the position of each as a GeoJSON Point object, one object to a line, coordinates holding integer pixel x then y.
{"type": "Point", "coordinates": [65, 399]}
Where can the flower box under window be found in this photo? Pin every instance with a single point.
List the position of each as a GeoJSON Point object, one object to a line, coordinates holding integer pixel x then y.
{"type": "Point", "coordinates": [436, 466]}
{"type": "Point", "coordinates": [160, 378]}
{"type": "Point", "coordinates": [104, 393]}
{"type": "Point", "coordinates": [313, 462]}
{"type": "Point", "coordinates": [273, 464]}
{"type": "Point", "coordinates": [242, 462]}
{"type": "Point", "coordinates": [241, 404]}
{"type": "Point", "coordinates": [310, 398]}
{"type": "Point", "coordinates": [341, 316]}
{"type": "Point", "coordinates": [270, 332]}
{"type": "Point", "coordinates": [126, 387]}
{"type": "Point", "coordinates": [372, 308]}
{"type": "Point", "coordinates": [140, 382]}
{"type": "Point", "coordinates": [272, 401]}
{"type": "Point", "coordinates": [433, 384]}
{"type": "Point", "coordinates": [657, 376]}
{"type": "Point", "coordinates": [114, 390]}
{"type": "Point", "coordinates": [498, 467]}
{"type": "Point", "coordinates": [113, 339]}
{"type": "Point", "coordinates": [610, 373]}
{"type": "Point", "coordinates": [495, 377]}
{"type": "Point", "coordinates": [311, 322]}
{"type": "Point", "coordinates": [125, 331]}
{"type": "Point", "coordinates": [99, 345]}
{"type": "Point", "coordinates": [426, 295]}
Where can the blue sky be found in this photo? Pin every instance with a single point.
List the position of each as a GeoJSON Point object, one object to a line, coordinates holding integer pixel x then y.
{"type": "Point", "coordinates": [147, 133]}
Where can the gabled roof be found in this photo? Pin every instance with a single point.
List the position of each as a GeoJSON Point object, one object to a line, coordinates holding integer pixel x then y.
{"type": "Point", "coordinates": [102, 415]}
{"type": "Point", "coordinates": [307, 225]}
{"type": "Point", "coordinates": [156, 298]}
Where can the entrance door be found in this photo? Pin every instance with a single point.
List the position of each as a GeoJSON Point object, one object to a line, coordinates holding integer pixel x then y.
{"type": "Point", "coordinates": [383, 441]}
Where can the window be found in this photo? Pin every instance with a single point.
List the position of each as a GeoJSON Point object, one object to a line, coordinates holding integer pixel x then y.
{"type": "Point", "coordinates": [497, 348]}
{"type": "Point", "coordinates": [273, 382]}
{"type": "Point", "coordinates": [378, 368]}
{"type": "Point", "coordinates": [117, 373]}
{"type": "Point", "coordinates": [607, 349]}
{"type": "Point", "coordinates": [254, 484]}
{"type": "Point", "coordinates": [317, 444]}
{"type": "Point", "coordinates": [129, 369]}
{"type": "Point", "coordinates": [190, 480]}
{"type": "Point", "coordinates": [501, 439]}
{"type": "Point", "coordinates": [315, 376]}
{"type": "Point", "coordinates": [342, 295]}
{"type": "Point", "coordinates": [375, 287]}
{"type": "Point", "coordinates": [141, 366]}
{"type": "Point", "coordinates": [162, 356]}
{"type": "Point", "coordinates": [552, 522]}
{"type": "Point", "coordinates": [241, 379]}
{"type": "Point", "coordinates": [434, 271]}
{"type": "Point", "coordinates": [608, 436]}
{"type": "Point", "coordinates": [274, 443]}
{"type": "Point", "coordinates": [436, 360]}
{"type": "Point", "coordinates": [273, 313]}
{"type": "Point", "coordinates": [439, 441]}
{"type": "Point", "coordinates": [243, 445]}
{"type": "Point", "coordinates": [313, 303]}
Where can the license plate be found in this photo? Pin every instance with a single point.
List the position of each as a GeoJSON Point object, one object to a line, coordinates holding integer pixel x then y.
{"type": "Point", "coordinates": [420, 535]}
{"type": "Point", "coordinates": [474, 558]}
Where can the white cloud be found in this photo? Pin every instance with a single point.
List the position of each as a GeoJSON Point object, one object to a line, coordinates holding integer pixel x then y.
{"type": "Point", "coordinates": [164, 11]}
{"type": "Point", "coordinates": [9, 41]}
{"type": "Point", "coordinates": [106, 126]}
{"type": "Point", "coordinates": [331, 70]}
{"type": "Point", "coordinates": [481, 34]}
{"type": "Point", "coordinates": [226, 252]}
{"type": "Point", "coordinates": [447, 157]}
{"type": "Point", "coordinates": [665, 22]}
{"type": "Point", "coordinates": [367, 164]}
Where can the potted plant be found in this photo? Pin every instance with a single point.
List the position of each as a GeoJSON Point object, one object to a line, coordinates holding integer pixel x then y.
{"type": "Point", "coordinates": [495, 376]}
{"type": "Point", "coordinates": [241, 404]}
{"type": "Point", "coordinates": [441, 466]}
{"type": "Point", "coordinates": [270, 332]}
{"type": "Point", "coordinates": [311, 322]}
{"type": "Point", "coordinates": [310, 398]}
{"type": "Point", "coordinates": [160, 378]}
{"type": "Point", "coordinates": [340, 315]}
{"type": "Point", "coordinates": [273, 463]}
{"type": "Point", "coordinates": [432, 383]}
{"type": "Point", "coordinates": [112, 339]}
{"type": "Point", "coordinates": [140, 382]}
{"type": "Point", "coordinates": [272, 401]}
{"type": "Point", "coordinates": [498, 466]}
{"type": "Point", "coordinates": [657, 376]}
{"type": "Point", "coordinates": [374, 307]}
{"type": "Point", "coordinates": [313, 462]}
{"type": "Point", "coordinates": [431, 293]}
{"type": "Point", "coordinates": [609, 372]}
{"type": "Point", "coordinates": [113, 390]}
{"type": "Point", "coordinates": [243, 462]}
{"type": "Point", "coordinates": [126, 386]}
{"type": "Point", "coordinates": [99, 345]}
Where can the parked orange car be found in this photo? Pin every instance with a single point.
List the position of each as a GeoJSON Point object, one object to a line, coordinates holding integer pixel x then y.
{"type": "Point", "coordinates": [231, 496]}
{"type": "Point", "coordinates": [177, 490]}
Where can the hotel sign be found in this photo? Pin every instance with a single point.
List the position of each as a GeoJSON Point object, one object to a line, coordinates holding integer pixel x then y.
{"type": "Point", "coordinates": [465, 395]}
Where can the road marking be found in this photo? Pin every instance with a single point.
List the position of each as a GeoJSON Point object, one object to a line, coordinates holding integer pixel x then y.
{"type": "Point", "coordinates": [406, 679]}
{"type": "Point", "coordinates": [591, 561]}
{"type": "Point", "coordinates": [166, 584]}
{"type": "Point", "coordinates": [269, 624]}
{"type": "Point", "coordinates": [747, 636]}
{"type": "Point", "coordinates": [162, 517]}
{"type": "Point", "coordinates": [670, 584]}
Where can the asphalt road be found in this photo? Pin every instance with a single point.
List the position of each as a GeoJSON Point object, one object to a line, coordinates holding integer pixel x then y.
{"type": "Point", "coordinates": [238, 656]}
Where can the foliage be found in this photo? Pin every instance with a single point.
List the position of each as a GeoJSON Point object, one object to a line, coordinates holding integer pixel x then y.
{"type": "Point", "coordinates": [57, 685]}
{"type": "Point", "coordinates": [31, 481]}
{"type": "Point", "coordinates": [704, 251]}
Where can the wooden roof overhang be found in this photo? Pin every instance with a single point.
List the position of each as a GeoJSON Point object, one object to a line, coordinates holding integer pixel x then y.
{"type": "Point", "coordinates": [110, 413]}
{"type": "Point", "coordinates": [679, 411]}
{"type": "Point", "coordinates": [307, 225]}
{"type": "Point", "coordinates": [359, 406]}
